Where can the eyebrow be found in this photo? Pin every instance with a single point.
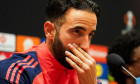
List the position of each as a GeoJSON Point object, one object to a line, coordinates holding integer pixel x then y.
{"type": "Point", "coordinates": [82, 28]}
{"type": "Point", "coordinates": [79, 27]}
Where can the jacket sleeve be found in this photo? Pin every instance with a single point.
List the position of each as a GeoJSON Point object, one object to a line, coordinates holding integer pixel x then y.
{"type": "Point", "coordinates": [19, 69]}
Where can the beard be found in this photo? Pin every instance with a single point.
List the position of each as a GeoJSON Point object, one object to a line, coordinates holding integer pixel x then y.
{"type": "Point", "coordinates": [59, 52]}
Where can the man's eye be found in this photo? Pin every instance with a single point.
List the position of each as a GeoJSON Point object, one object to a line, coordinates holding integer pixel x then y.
{"type": "Point", "coordinates": [77, 31]}
{"type": "Point", "coordinates": [91, 34]}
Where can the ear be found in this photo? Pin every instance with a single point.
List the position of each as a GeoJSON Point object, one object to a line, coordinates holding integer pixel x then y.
{"type": "Point", "coordinates": [49, 30]}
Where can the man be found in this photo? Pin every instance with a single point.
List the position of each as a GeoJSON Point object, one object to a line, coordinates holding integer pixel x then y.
{"type": "Point", "coordinates": [64, 58]}
{"type": "Point", "coordinates": [128, 47]}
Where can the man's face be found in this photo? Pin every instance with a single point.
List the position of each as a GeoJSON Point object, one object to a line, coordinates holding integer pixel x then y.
{"type": "Point", "coordinates": [136, 63]}
{"type": "Point", "coordinates": [78, 28]}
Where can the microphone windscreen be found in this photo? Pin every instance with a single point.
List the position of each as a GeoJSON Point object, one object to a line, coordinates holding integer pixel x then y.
{"type": "Point", "coordinates": [115, 60]}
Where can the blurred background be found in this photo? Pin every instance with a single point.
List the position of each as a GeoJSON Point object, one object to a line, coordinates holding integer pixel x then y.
{"type": "Point", "coordinates": [21, 26]}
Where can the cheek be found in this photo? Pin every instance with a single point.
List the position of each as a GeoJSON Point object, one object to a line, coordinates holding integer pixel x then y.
{"type": "Point", "coordinates": [65, 39]}
{"type": "Point", "coordinates": [137, 71]}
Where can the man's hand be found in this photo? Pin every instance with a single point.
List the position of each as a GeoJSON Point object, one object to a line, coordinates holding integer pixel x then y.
{"type": "Point", "coordinates": [84, 64]}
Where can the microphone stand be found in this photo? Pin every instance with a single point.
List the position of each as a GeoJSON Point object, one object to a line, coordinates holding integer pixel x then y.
{"type": "Point", "coordinates": [137, 79]}
{"type": "Point", "coordinates": [129, 72]}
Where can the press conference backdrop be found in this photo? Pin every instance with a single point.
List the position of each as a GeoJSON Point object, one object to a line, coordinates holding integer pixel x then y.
{"type": "Point", "coordinates": [24, 19]}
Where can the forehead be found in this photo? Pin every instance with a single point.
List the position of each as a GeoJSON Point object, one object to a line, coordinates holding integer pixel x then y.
{"type": "Point", "coordinates": [80, 17]}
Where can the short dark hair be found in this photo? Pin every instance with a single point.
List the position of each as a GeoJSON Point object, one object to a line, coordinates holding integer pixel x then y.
{"type": "Point", "coordinates": [124, 46]}
{"type": "Point", "coordinates": [56, 9]}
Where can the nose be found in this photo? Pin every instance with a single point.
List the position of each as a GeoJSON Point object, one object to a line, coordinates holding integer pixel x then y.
{"type": "Point", "coordinates": [84, 44]}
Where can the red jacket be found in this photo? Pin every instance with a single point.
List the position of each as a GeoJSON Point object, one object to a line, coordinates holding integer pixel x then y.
{"type": "Point", "coordinates": [36, 66]}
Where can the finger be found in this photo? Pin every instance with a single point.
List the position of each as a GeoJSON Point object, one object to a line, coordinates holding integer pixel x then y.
{"type": "Point", "coordinates": [74, 65]}
{"type": "Point", "coordinates": [82, 51]}
{"type": "Point", "coordinates": [73, 58]}
{"type": "Point", "coordinates": [77, 53]}
{"type": "Point", "coordinates": [83, 68]}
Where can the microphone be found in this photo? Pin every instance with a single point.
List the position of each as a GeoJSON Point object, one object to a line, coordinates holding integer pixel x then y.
{"type": "Point", "coordinates": [117, 61]}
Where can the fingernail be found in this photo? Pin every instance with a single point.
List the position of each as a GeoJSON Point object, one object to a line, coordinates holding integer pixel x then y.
{"type": "Point", "coordinates": [66, 58]}
{"type": "Point", "coordinates": [69, 45]}
{"type": "Point", "coordinates": [66, 52]}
